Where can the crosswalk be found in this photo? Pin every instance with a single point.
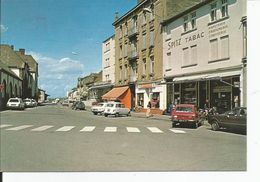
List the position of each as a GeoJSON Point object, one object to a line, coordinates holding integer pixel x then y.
{"type": "Point", "coordinates": [108, 129]}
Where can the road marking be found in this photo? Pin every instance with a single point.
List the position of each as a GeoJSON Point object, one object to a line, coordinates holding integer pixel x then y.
{"type": "Point", "coordinates": [88, 128]}
{"type": "Point", "coordinates": [19, 127]}
{"type": "Point", "coordinates": [110, 129]}
{"type": "Point", "coordinates": [65, 128]}
{"type": "Point", "coordinates": [5, 125]}
{"type": "Point", "coordinates": [155, 130]}
{"type": "Point", "coordinates": [42, 128]}
{"type": "Point", "coordinates": [177, 131]}
{"type": "Point", "coordinates": [132, 130]}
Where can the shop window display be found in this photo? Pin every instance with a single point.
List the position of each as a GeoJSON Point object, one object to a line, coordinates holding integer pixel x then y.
{"type": "Point", "coordinates": [155, 100]}
{"type": "Point", "coordinates": [140, 100]}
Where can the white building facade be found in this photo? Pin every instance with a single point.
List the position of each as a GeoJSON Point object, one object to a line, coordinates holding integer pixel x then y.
{"type": "Point", "coordinates": [204, 55]}
{"type": "Point", "coordinates": [108, 60]}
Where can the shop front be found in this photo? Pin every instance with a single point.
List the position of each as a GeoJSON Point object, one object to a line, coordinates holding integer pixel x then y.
{"type": "Point", "coordinates": [153, 93]}
{"type": "Point", "coordinates": [224, 93]}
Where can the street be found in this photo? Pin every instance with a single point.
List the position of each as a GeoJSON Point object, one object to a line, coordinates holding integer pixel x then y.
{"type": "Point", "coordinates": [56, 138]}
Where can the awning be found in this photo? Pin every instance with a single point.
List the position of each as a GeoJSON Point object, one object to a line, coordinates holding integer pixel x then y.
{"type": "Point", "coordinates": [115, 93]}
{"type": "Point", "coordinates": [147, 85]}
{"type": "Point", "coordinates": [203, 77]}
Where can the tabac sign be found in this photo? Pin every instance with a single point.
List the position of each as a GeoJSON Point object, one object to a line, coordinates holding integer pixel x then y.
{"type": "Point", "coordinates": [187, 39]}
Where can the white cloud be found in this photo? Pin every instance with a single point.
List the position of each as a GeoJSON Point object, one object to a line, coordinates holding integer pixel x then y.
{"type": "Point", "coordinates": [57, 76]}
{"type": "Point", "coordinates": [3, 28]}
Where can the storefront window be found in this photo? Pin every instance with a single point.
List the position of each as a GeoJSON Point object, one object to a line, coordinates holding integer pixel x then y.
{"type": "Point", "coordinates": [140, 100]}
{"type": "Point", "coordinates": [189, 93]}
{"type": "Point", "coordinates": [156, 100]}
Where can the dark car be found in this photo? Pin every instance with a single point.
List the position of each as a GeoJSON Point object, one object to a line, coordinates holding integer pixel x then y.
{"type": "Point", "coordinates": [234, 119]}
{"type": "Point", "coordinates": [78, 105]}
{"type": "Point", "coordinates": [185, 113]}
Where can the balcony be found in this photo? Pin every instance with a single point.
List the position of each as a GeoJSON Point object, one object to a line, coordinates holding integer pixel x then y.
{"type": "Point", "coordinates": [132, 32]}
{"type": "Point", "coordinates": [132, 55]}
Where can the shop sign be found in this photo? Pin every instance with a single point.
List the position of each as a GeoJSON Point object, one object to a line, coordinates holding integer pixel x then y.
{"type": "Point", "coordinates": [218, 29]}
{"type": "Point", "coordinates": [222, 89]}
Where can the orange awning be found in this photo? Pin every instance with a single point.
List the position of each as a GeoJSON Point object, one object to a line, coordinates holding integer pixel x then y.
{"type": "Point", "coordinates": [147, 85]}
{"type": "Point", "coordinates": [115, 93]}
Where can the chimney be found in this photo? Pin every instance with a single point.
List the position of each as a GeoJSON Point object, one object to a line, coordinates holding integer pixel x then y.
{"type": "Point", "coordinates": [12, 47]}
{"type": "Point", "coordinates": [116, 16]}
{"type": "Point", "coordinates": [22, 51]}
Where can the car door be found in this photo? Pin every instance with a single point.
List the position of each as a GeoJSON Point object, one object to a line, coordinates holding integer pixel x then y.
{"type": "Point", "coordinates": [242, 118]}
{"type": "Point", "coordinates": [232, 118]}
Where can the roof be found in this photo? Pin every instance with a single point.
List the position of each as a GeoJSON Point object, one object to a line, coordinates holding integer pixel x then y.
{"type": "Point", "coordinates": [30, 60]}
{"type": "Point", "coordinates": [10, 58]}
{"type": "Point", "coordinates": [8, 70]}
{"type": "Point", "coordinates": [187, 6]}
{"type": "Point", "coordinates": [111, 37]}
{"type": "Point", "coordinates": [115, 93]}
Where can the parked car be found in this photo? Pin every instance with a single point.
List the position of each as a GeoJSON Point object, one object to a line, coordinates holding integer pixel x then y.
{"type": "Point", "coordinates": [78, 105]}
{"type": "Point", "coordinates": [28, 102]}
{"type": "Point", "coordinates": [234, 119]}
{"type": "Point", "coordinates": [116, 109]}
{"type": "Point", "coordinates": [185, 113]}
{"type": "Point", "coordinates": [34, 103]}
{"type": "Point", "coordinates": [15, 103]}
{"type": "Point", "coordinates": [65, 103]}
{"type": "Point", "coordinates": [99, 108]}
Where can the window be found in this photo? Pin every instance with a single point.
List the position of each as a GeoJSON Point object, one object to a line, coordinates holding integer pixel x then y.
{"type": "Point", "coordinates": [107, 46]}
{"type": "Point", "coordinates": [224, 8]}
{"type": "Point", "coordinates": [213, 12]}
{"type": "Point", "coordinates": [126, 72]}
{"type": "Point", "coordinates": [144, 19]}
{"type": "Point", "coordinates": [125, 50]}
{"type": "Point", "coordinates": [140, 100]}
{"type": "Point", "coordinates": [224, 42]}
{"type": "Point", "coordinates": [193, 20]}
{"type": "Point", "coordinates": [168, 61]}
{"type": "Point", "coordinates": [194, 54]}
{"type": "Point", "coordinates": [126, 28]}
{"type": "Point", "coordinates": [214, 49]}
{"type": "Point", "coordinates": [144, 66]}
{"type": "Point", "coordinates": [120, 51]}
{"type": "Point", "coordinates": [120, 73]}
{"type": "Point", "coordinates": [152, 64]}
{"type": "Point", "coordinates": [152, 38]}
{"type": "Point", "coordinates": [144, 41]}
{"type": "Point", "coordinates": [120, 31]}
{"type": "Point", "coordinates": [185, 59]}
{"type": "Point", "coordinates": [185, 25]}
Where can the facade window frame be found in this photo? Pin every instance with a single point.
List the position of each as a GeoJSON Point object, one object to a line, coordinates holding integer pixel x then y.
{"type": "Point", "coordinates": [185, 23]}
{"type": "Point", "coordinates": [193, 20]}
{"type": "Point", "coordinates": [224, 8]}
{"type": "Point", "coordinates": [213, 12]}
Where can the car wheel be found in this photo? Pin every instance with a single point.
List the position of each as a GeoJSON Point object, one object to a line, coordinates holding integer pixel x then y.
{"type": "Point", "coordinates": [173, 125]}
{"type": "Point", "coordinates": [129, 114]}
{"type": "Point", "coordinates": [105, 115]}
{"type": "Point", "coordinates": [94, 113]}
{"type": "Point", "coordinates": [116, 115]}
{"type": "Point", "coordinates": [214, 126]}
{"type": "Point", "coordinates": [196, 125]}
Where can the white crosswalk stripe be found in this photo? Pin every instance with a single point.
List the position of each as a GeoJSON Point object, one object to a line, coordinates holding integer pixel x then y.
{"type": "Point", "coordinates": [5, 125]}
{"type": "Point", "coordinates": [42, 128]}
{"type": "Point", "coordinates": [177, 131]}
{"type": "Point", "coordinates": [110, 129]}
{"type": "Point", "coordinates": [19, 127]}
{"type": "Point", "coordinates": [154, 130]}
{"type": "Point", "coordinates": [65, 128]}
{"type": "Point", "coordinates": [133, 130]}
{"type": "Point", "coordinates": [88, 129]}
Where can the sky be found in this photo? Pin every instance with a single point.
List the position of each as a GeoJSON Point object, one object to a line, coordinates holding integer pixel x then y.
{"type": "Point", "coordinates": [64, 36]}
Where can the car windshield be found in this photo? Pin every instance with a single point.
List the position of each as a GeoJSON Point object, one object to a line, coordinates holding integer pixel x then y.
{"type": "Point", "coordinates": [110, 105]}
{"type": "Point", "coordinates": [13, 100]}
{"type": "Point", "coordinates": [184, 109]}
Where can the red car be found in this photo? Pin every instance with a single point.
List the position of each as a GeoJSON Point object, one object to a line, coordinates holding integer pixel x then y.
{"type": "Point", "coordinates": [185, 113]}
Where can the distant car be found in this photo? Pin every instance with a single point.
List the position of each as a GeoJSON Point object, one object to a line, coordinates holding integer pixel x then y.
{"type": "Point", "coordinates": [78, 105]}
{"type": "Point", "coordinates": [28, 102]}
{"type": "Point", "coordinates": [15, 103]}
{"type": "Point", "coordinates": [34, 103]}
{"type": "Point", "coordinates": [234, 119]}
{"type": "Point", "coordinates": [65, 103]}
{"type": "Point", "coordinates": [99, 108]}
{"type": "Point", "coordinates": [185, 113]}
{"type": "Point", "coordinates": [116, 109]}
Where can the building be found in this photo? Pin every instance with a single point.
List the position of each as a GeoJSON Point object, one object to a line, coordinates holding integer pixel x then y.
{"type": "Point", "coordinates": [42, 95]}
{"type": "Point", "coordinates": [10, 85]}
{"type": "Point", "coordinates": [204, 55]}
{"type": "Point", "coordinates": [139, 53]}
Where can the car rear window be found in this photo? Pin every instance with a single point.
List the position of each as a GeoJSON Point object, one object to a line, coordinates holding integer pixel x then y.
{"type": "Point", "coordinates": [13, 100]}
{"type": "Point", "coordinates": [184, 109]}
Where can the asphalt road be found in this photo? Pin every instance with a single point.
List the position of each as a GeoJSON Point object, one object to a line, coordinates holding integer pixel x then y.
{"type": "Point", "coordinates": [56, 138]}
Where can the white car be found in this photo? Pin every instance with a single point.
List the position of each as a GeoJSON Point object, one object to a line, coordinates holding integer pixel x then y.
{"type": "Point", "coordinates": [116, 108]}
{"type": "Point", "coordinates": [28, 102]}
{"type": "Point", "coordinates": [15, 103]}
{"type": "Point", "coordinates": [34, 103]}
{"type": "Point", "coordinates": [99, 109]}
